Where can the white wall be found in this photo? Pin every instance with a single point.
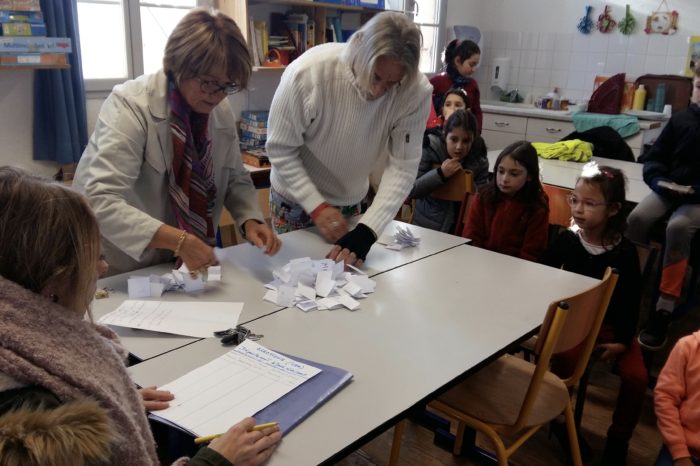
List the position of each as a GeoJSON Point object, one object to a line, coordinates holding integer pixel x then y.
{"type": "Point", "coordinates": [539, 35]}
{"type": "Point", "coordinates": [547, 50]}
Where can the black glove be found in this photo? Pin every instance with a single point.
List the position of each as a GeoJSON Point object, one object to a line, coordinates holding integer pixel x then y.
{"type": "Point", "coordinates": [358, 240]}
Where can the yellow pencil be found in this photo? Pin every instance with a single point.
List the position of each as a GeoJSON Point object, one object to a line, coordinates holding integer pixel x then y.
{"type": "Point", "coordinates": [209, 438]}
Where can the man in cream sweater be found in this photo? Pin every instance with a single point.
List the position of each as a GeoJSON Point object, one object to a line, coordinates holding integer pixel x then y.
{"type": "Point", "coordinates": [341, 110]}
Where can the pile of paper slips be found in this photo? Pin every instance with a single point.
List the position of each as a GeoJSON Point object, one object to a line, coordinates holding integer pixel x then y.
{"type": "Point", "coordinates": [318, 285]}
{"type": "Point", "coordinates": [154, 286]}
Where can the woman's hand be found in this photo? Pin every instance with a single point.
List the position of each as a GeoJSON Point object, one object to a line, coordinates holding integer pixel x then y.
{"type": "Point", "coordinates": [331, 224]}
{"type": "Point", "coordinates": [344, 254]}
{"type": "Point", "coordinates": [450, 166]}
{"type": "Point", "coordinates": [611, 351]}
{"type": "Point", "coordinates": [262, 237]}
{"type": "Point", "coordinates": [244, 447]}
{"type": "Point", "coordinates": [154, 399]}
{"type": "Point", "coordinates": [196, 254]}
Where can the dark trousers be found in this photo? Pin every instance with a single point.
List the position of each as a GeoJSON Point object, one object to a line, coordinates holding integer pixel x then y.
{"type": "Point", "coordinates": [633, 382]}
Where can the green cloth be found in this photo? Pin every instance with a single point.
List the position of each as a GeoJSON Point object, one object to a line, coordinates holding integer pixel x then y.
{"type": "Point", "coordinates": [573, 150]}
{"type": "Point", "coordinates": [625, 125]}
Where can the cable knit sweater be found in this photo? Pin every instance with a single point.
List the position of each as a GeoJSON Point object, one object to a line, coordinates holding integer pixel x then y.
{"type": "Point", "coordinates": [325, 138]}
{"type": "Point", "coordinates": [677, 397]}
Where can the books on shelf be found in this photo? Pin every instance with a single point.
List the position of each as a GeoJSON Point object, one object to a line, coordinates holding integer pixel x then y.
{"type": "Point", "coordinates": [35, 44]}
{"type": "Point", "coordinates": [23, 29]}
{"type": "Point", "coordinates": [32, 59]}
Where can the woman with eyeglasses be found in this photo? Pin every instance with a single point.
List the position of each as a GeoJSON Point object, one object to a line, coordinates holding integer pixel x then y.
{"type": "Point", "coordinates": [164, 159]}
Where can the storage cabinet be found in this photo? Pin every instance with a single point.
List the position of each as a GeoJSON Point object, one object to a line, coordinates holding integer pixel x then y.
{"type": "Point", "coordinates": [539, 130]}
{"type": "Point", "coordinates": [499, 130]}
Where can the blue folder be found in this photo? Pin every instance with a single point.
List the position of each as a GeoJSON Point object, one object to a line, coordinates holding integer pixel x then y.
{"type": "Point", "coordinates": [296, 405]}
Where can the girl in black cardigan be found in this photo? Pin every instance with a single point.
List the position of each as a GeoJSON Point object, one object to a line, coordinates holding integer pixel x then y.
{"type": "Point", "coordinates": [594, 242]}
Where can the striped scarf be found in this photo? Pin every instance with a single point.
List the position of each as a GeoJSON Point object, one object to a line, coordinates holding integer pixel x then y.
{"type": "Point", "coordinates": [191, 187]}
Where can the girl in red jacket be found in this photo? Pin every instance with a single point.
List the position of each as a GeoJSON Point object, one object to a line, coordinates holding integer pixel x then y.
{"type": "Point", "coordinates": [461, 59]}
{"type": "Point", "coordinates": [676, 399]}
{"type": "Point", "coordinates": [510, 215]}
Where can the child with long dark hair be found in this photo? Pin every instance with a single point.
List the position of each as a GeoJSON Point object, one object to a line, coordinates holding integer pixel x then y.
{"type": "Point", "coordinates": [446, 153]}
{"type": "Point", "coordinates": [594, 242]}
{"type": "Point", "coordinates": [510, 215]}
{"type": "Point", "coordinates": [461, 57]}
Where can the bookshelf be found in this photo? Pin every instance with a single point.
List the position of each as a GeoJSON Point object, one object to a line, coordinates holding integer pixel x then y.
{"type": "Point", "coordinates": [34, 67]}
{"type": "Point", "coordinates": [261, 10]}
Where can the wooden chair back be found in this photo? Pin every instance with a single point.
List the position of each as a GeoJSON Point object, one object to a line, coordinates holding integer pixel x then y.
{"type": "Point", "coordinates": [586, 311]}
{"type": "Point", "coordinates": [459, 188]}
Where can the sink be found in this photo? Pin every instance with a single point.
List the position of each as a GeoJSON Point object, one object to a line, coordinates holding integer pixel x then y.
{"type": "Point", "coordinates": [498, 103]}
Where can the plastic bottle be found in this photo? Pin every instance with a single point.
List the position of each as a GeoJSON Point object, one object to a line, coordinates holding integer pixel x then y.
{"type": "Point", "coordinates": [640, 96]}
{"type": "Point", "coordinates": [660, 97]}
{"type": "Point", "coordinates": [555, 99]}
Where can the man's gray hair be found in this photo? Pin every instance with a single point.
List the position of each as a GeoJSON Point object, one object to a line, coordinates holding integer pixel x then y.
{"type": "Point", "coordinates": [388, 34]}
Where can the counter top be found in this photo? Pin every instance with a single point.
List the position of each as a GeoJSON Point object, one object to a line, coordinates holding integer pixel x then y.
{"type": "Point", "coordinates": [529, 111]}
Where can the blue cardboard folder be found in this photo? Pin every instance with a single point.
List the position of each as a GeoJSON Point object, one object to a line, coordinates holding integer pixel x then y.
{"type": "Point", "coordinates": [296, 405]}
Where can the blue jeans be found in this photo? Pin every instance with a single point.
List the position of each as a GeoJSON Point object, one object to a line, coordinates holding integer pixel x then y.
{"type": "Point", "coordinates": [665, 458]}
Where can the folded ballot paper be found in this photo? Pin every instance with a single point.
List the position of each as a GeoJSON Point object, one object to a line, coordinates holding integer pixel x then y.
{"type": "Point", "coordinates": [250, 380]}
{"type": "Point", "coordinates": [154, 286]}
{"type": "Point", "coordinates": [318, 284]}
{"type": "Point", "coordinates": [403, 238]}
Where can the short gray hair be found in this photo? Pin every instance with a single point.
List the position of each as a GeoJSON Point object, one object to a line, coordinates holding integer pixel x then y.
{"type": "Point", "coordinates": [388, 34]}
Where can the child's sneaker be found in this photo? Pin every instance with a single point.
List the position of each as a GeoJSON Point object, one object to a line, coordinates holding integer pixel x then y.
{"type": "Point", "coordinates": [653, 335]}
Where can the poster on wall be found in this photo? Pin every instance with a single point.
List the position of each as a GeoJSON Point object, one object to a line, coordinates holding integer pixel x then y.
{"type": "Point", "coordinates": [693, 55]}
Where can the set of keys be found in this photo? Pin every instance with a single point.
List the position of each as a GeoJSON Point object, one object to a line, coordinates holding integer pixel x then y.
{"type": "Point", "coordinates": [236, 336]}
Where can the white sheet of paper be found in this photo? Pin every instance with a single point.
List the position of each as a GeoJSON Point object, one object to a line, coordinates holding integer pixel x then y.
{"type": "Point", "coordinates": [285, 295]}
{"type": "Point", "coordinates": [348, 302]}
{"type": "Point", "coordinates": [139, 287]}
{"type": "Point", "coordinates": [270, 296]}
{"type": "Point", "coordinates": [308, 305]}
{"type": "Point", "coordinates": [366, 283]}
{"type": "Point", "coordinates": [214, 273]}
{"type": "Point", "coordinates": [193, 284]}
{"type": "Point", "coordinates": [306, 291]}
{"type": "Point", "coordinates": [329, 303]}
{"type": "Point", "coordinates": [324, 283]}
{"type": "Point", "coordinates": [156, 289]}
{"type": "Point", "coordinates": [194, 318]}
{"type": "Point", "coordinates": [213, 397]}
{"type": "Point", "coordinates": [352, 288]}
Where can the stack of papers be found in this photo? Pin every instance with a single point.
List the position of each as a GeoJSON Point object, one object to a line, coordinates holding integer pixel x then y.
{"type": "Point", "coordinates": [318, 284]}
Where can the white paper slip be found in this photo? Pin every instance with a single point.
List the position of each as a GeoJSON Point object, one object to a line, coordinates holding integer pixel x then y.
{"type": "Point", "coordinates": [213, 397]}
{"type": "Point", "coordinates": [285, 295]}
{"type": "Point", "coordinates": [192, 318]}
{"type": "Point", "coordinates": [214, 273]}
{"type": "Point", "coordinates": [139, 287]}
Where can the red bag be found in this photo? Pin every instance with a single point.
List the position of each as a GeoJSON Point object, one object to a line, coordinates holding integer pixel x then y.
{"type": "Point", "coordinates": [608, 97]}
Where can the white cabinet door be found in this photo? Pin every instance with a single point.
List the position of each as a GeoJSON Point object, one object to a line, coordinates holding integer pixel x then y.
{"type": "Point", "coordinates": [497, 140]}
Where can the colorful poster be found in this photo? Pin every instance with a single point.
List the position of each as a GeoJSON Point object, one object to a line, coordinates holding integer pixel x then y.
{"type": "Point", "coordinates": [693, 55]}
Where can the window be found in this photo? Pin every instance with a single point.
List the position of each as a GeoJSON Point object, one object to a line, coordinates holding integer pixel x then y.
{"type": "Point", "coordinates": [429, 16]}
{"type": "Point", "coordinates": [122, 39]}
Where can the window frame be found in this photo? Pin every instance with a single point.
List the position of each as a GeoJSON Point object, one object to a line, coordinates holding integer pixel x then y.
{"type": "Point", "coordinates": [131, 10]}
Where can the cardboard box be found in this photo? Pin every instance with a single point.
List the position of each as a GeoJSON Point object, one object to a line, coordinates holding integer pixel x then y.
{"type": "Point", "coordinates": [255, 158]}
{"type": "Point", "coordinates": [34, 17]}
{"type": "Point", "coordinates": [23, 29]}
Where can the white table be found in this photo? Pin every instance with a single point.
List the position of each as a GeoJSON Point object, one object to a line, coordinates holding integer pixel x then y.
{"type": "Point", "coordinates": [564, 174]}
{"type": "Point", "coordinates": [244, 275]}
{"type": "Point", "coordinates": [429, 323]}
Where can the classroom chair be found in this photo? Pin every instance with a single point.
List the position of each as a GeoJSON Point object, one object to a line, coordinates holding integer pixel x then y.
{"type": "Point", "coordinates": [512, 396]}
{"type": "Point", "coordinates": [459, 188]}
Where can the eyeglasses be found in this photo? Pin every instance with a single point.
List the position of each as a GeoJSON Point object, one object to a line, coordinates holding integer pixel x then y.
{"type": "Point", "coordinates": [213, 87]}
{"type": "Point", "coordinates": [587, 203]}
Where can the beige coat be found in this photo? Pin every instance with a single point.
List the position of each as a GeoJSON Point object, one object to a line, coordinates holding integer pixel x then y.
{"type": "Point", "coordinates": [124, 171]}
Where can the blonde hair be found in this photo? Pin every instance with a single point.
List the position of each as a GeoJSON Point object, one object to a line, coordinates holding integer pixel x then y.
{"type": "Point", "coordinates": [387, 34]}
{"type": "Point", "coordinates": [203, 43]}
{"type": "Point", "coordinates": [48, 235]}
